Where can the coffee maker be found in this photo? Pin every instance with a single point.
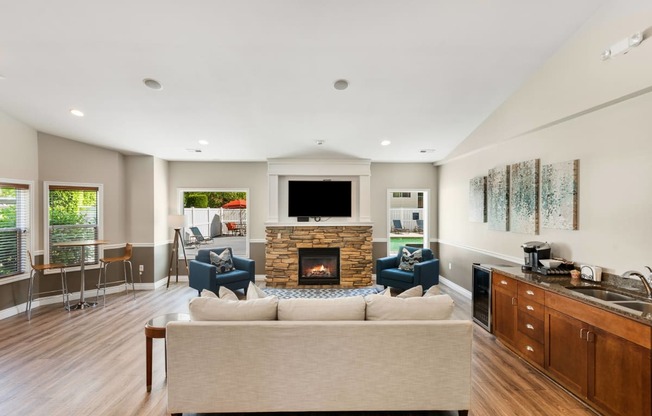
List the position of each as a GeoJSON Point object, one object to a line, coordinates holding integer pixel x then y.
{"type": "Point", "coordinates": [533, 251]}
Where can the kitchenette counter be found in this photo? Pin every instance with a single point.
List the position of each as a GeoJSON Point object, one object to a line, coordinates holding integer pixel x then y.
{"type": "Point", "coordinates": [560, 284]}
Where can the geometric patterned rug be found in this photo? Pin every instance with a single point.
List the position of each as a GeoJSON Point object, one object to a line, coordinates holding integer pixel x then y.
{"type": "Point", "coordinates": [318, 293]}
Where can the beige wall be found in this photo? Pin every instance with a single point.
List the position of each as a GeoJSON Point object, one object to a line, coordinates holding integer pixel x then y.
{"type": "Point", "coordinates": [140, 198]}
{"type": "Point", "coordinates": [224, 175]}
{"type": "Point", "coordinates": [64, 160]}
{"type": "Point", "coordinates": [576, 107]}
{"type": "Point", "coordinates": [385, 176]}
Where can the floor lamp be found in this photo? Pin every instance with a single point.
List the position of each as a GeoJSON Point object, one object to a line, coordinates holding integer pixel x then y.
{"type": "Point", "coordinates": [177, 222]}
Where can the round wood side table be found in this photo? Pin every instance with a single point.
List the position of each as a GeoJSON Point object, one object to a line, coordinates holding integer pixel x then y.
{"type": "Point", "coordinates": [155, 328]}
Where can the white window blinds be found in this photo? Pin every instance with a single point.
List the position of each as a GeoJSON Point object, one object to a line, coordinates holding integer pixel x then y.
{"type": "Point", "coordinates": [14, 228]}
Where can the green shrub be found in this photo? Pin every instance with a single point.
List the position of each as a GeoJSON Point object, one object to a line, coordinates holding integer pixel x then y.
{"type": "Point", "coordinates": [196, 201]}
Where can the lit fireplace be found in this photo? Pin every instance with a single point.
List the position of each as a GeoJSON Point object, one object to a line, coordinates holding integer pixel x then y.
{"type": "Point", "coordinates": [319, 266]}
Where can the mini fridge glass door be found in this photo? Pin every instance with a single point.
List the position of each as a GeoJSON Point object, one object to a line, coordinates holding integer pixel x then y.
{"type": "Point", "coordinates": [482, 296]}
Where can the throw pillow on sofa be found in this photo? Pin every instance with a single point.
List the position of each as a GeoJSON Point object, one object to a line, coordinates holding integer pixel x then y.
{"type": "Point", "coordinates": [223, 261]}
{"type": "Point", "coordinates": [228, 294]}
{"type": "Point", "coordinates": [383, 308]}
{"type": "Point", "coordinates": [409, 293]}
{"type": "Point", "coordinates": [408, 260]}
{"type": "Point", "coordinates": [333, 309]}
{"type": "Point", "coordinates": [254, 292]}
{"type": "Point", "coordinates": [205, 293]}
{"type": "Point", "coordinates": [211, 309]}
{"type": "Point", "coordinates": [432, 291]}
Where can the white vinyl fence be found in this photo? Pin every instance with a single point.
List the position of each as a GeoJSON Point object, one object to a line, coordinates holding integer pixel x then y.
{"type": "Point", "coordinates": [407, 217]}
{"type": "Point", "coordinates": [202, 218]}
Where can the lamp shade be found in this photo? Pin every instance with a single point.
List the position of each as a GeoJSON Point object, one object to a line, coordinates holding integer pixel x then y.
{"type": "Point", "coordinates": [177, 221]}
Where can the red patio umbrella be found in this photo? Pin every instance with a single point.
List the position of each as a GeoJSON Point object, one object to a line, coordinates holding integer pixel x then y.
{"type": "Point", "coordinates": [235, 204]}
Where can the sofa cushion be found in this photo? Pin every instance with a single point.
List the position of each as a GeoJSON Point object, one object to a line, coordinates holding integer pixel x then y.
{"type": "Point", "coordinates": [226, 293]}
{"type": "Point", "coordinates": [333, 309]}
{"type": "Point", "coordinates": [223, 261]}
{"type": "Point", "coordinates": [254, 292]}
{"type": "Point", "coordinates": [408, 260]}
{"type": "Point", "coordinates": [211, 309]}
{"type": "Point", "coordinates": [381, 308]}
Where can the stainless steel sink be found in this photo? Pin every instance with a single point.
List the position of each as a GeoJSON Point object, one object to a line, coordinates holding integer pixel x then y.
{"type": "Point", "coordinates": [638, 306]}
{"type": "Point", "coordinates": [600, 293]}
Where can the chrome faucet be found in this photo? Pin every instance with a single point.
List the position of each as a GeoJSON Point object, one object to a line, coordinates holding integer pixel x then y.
{"type": "Point", "coordinates": [646, 284]}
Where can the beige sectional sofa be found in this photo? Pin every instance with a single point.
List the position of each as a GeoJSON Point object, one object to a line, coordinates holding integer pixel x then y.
{"type": "Point", "coordinates": [301, 363]}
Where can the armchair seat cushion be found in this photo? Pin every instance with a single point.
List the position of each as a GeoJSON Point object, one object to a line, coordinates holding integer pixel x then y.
{"type": "Point", "coordinates": [232, 276]}
{"type": "Point", "coordinates": [398, 274]}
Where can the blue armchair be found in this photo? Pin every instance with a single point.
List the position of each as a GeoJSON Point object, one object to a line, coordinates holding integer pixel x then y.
{"type": "Point", "coordinates": [426, 273]}
{"type": "Point", "coordinates": [203, 275]}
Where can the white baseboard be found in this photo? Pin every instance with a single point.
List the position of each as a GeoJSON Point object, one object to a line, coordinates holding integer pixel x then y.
{"type": "Point", "coordinates": [454, 286]}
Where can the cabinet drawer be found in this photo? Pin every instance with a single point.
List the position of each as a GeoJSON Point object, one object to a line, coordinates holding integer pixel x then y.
{"type": "Point", "coordinates": [531, 327]}
{"type": "Point", "coordinates": [531, 308]}
{"type": "Point", "coordinates": [530, 349]}
{"type": "Point", "coordinates": [526, 291]}
{"type": "Point", "coordinates": [505, 283]}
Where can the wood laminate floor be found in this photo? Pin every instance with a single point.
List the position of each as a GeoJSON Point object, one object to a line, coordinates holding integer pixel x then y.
{"type": "Point", "coordinates": [92, 362]}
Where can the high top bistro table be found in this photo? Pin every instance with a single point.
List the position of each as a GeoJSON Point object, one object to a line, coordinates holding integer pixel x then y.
{"type": "Point", "coordinates": [82, 304]}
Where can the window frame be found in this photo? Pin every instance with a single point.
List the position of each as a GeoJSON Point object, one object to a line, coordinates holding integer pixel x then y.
{"type": "Point", "coordinates": [29, 245]}
{"type": "Point", "coordinates": [46, 219]}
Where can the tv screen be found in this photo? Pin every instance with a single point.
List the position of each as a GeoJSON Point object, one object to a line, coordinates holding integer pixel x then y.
{"type": "Point", "coordinates": [319, 198]}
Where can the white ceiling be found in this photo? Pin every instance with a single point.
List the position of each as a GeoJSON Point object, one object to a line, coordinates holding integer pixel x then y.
{"type": "Point", "coordinates": [255, 77]}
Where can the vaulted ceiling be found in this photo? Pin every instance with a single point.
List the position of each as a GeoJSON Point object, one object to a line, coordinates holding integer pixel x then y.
{"type": "Point", "coordinates": [255, 78]}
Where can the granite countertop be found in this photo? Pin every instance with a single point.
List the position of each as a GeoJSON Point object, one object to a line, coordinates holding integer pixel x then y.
{"type": "Point", "coordinates": [559, 284]}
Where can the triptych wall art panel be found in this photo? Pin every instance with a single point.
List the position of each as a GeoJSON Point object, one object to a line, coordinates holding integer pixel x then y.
{"type": "Point", "coordinates": [508, 198]}
{"type": "Point", "coordinates": [524, 197]}
{"type": "Point", "coordinates": [498, 198]}
{"type": "Point", "coordinates": [478, 199]}
{"type": "Point", "coordinates": [559, 183]}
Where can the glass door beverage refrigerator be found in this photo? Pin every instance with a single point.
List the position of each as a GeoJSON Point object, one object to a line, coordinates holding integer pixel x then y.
{"type": "Point", "coordinates": [482, 296]}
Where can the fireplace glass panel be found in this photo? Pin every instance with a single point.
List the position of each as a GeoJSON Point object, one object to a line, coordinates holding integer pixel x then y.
{"type": "Point", "coordinates": [319, 266]}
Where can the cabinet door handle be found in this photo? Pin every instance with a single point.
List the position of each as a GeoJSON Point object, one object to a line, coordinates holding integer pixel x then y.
{"type": "Point", "coordinates": [503, 282]}
{"type": "Point", "coordinates": [529, 292]}
{"type": "Point", "coordinates": [529, 348]}
{"type": "Point", "coordinates": [529, 326]}
{"type": "Point", "coordinates": [581, 330]}
{"type": "Point", "coordinates": [513, 301]}
{"type": "Point", "coordinates": [589, 338]}
{"type": "Point", "coordinates": [529, 308]}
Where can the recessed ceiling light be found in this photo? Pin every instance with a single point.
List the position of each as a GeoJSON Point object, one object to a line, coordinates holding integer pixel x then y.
{"type": "Point", "coordinates": [193, 150]}
{"type": "Point", "coordinates": [203, 142]}
{"type": "Point", "coordinates": [76, 113]}
{"type": "Point", "coordinates": [153, 84]}
{"type": "Point", "coordinates": [427, 151]}
{"type": "Point", "coordinates": [385, 143]}
{"type": "Point", "coordinates": [341, 84]}
{"type": "Point", "coordinates": [320, 142]}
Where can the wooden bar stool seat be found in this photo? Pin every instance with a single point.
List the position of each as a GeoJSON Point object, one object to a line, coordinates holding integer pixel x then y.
{"type": "Point", "coordinates": [124, 259]}
{"type": "Point", "coordinates": [39, 270]}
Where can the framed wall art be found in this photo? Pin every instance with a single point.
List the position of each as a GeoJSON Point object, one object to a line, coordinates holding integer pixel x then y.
{"type": "Point", "coordinates": [559, 194]}
{"type": "Point", "coordinates": [524, 197]}
{"type": "Point", "coordinates": [498, 198]}
{"type": "Point", "coordinates": [478, 199]}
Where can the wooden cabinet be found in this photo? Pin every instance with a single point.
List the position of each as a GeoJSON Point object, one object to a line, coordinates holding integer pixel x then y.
{"type": "Point", "coordinates": [518, 317]}
{"type": "Point", "coordinates": [600, 356]}
{"type": "Point", "coordinates": [504, 308]}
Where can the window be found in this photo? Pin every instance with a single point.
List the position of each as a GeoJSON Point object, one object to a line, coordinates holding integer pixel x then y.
{"type": "Point", "coordinates": [14, 228]}
{"type": "Point", "coordinates": [73, 213]}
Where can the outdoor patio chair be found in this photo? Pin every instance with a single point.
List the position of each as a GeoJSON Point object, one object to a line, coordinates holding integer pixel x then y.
{"type": "Point", "coordinates": [397, 227]}
{"type": "Point", "coordinates": [199, 238]}
{"type": "Point", "coordinates": [419, 226]}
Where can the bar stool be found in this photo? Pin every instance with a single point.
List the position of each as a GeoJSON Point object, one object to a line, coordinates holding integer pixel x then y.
{"type": "Point", "coordinates": [39, 269]}
{"type": "Point", "coordinates": [104, 264]}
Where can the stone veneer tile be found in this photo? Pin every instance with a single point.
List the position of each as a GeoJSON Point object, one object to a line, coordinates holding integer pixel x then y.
{"type": "Point", "coordinates": [281, 253]}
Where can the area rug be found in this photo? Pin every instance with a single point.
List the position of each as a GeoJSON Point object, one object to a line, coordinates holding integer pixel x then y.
{"type": "Point", "coordinates": [319, 293]}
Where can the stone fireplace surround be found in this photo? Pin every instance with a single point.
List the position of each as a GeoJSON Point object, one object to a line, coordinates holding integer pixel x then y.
{"type": "Point", "coordinates": [282, 254]}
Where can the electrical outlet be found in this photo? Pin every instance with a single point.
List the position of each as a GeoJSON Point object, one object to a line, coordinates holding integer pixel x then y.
{"type": "Point", "coordinates": [141, 268]}
{"type": "Point", "coordinates": [450, 266]}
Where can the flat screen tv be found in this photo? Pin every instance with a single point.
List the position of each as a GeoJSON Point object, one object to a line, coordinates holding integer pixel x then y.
{"type": "Point", "coordinates": [319, 198]}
